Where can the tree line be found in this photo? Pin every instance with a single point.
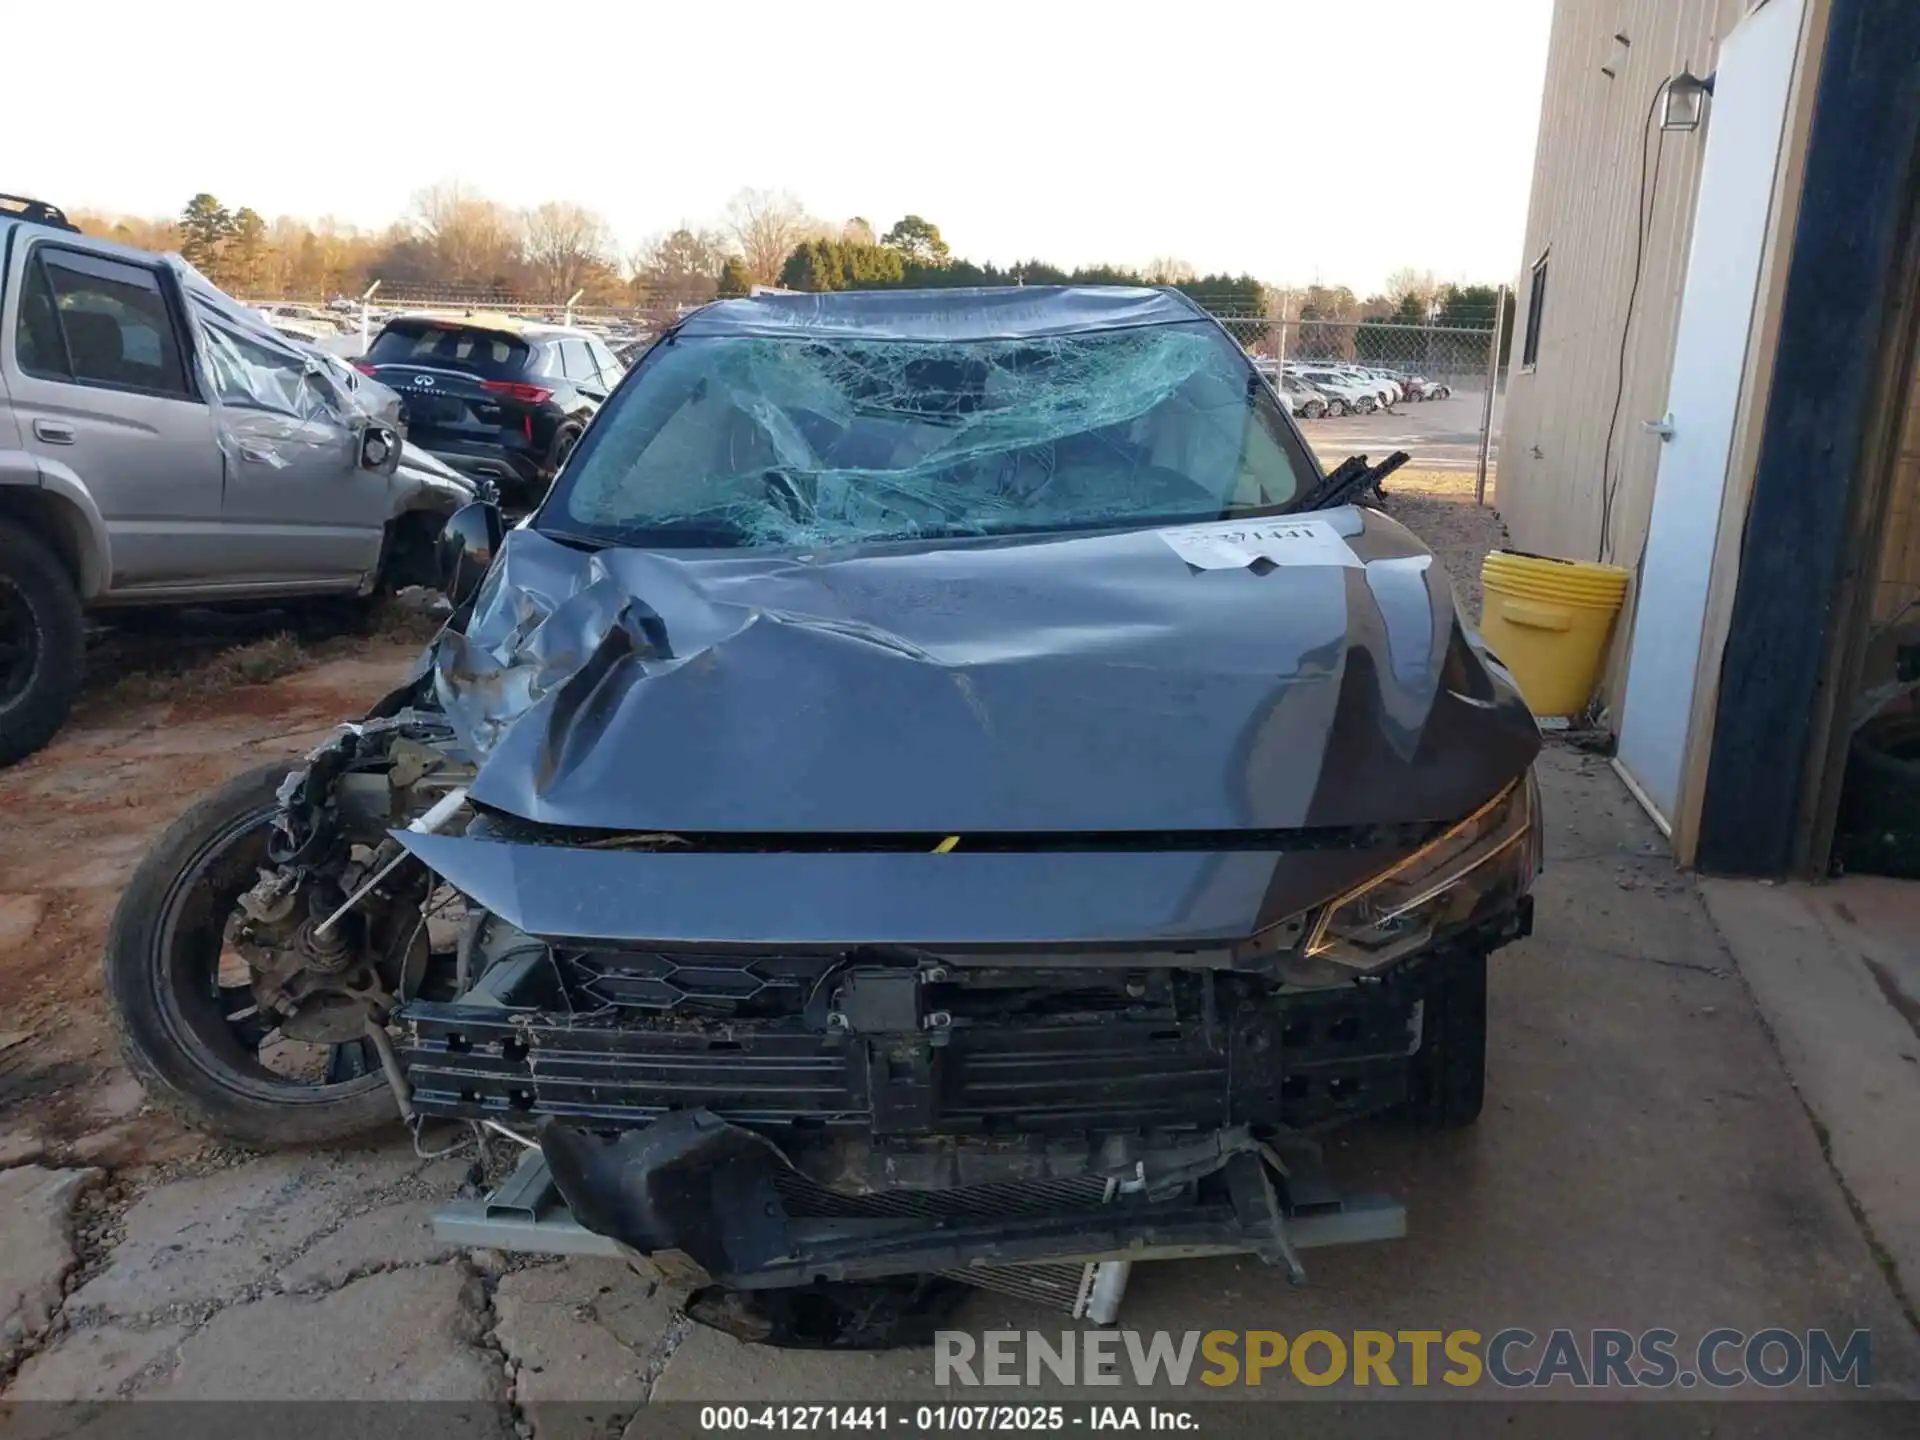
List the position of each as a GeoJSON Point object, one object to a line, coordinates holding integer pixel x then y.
{"type": "Point", "coordinates": [913, 255]}
{"type": "Point", "coordinates": [454, 239]}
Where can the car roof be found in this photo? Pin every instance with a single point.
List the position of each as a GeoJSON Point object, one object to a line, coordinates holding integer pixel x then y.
{"type": "Point", "coordinates": [958, 314]}
{"type": "Point", "coordinates": [67, 235]}
{"type": "Point", "coordinates": [23, 209]}
{"type": "Point", "coordinates": [500, 324]}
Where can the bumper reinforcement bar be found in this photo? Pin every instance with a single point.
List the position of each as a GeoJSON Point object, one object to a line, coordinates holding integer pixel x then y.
{"type": "Point", "coordinates": [661, 1201]}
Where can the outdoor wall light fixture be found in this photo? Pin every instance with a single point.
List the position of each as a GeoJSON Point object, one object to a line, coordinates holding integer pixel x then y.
{"type": "Point", "coordinates": [1686, 101]}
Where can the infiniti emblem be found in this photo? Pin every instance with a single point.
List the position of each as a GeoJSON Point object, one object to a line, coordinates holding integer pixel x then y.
{"type": "Point", "coordinates": [425, 382]}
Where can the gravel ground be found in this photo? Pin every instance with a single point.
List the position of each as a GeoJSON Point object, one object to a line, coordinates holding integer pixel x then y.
{"type": "Point", "coordinates": [1437, 505]}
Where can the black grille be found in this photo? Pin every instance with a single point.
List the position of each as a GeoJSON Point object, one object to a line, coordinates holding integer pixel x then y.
{"type": "Point", "coordinates": [1330, 1056]}
{"type": "Point", "coordinates": [667, 982]}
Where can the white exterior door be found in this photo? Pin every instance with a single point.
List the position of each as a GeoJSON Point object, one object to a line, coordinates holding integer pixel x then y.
{"type": "Point", "coordinates": [1745, 122]}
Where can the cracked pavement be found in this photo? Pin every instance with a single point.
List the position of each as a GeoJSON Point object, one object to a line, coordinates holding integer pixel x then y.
{"type": "Point", "coordinates": [1643, 1161]}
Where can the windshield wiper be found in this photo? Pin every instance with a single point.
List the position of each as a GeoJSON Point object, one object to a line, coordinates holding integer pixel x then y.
{"type": "Point", "coordinates": [683, 532]}
{"type": "Point", "coordinates": [1352, 479]}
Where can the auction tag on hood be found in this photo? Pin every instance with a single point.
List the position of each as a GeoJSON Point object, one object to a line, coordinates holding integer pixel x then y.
{"type": "Point", "coordinates": [1233, 546]}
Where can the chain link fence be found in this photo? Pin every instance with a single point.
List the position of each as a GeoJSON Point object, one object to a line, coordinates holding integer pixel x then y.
{"type": "Point", "coordinates": [1360, 385]}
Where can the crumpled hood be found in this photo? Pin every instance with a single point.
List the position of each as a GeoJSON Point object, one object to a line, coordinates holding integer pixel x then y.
{"type": "Point", "coordinates": [1038, 684]}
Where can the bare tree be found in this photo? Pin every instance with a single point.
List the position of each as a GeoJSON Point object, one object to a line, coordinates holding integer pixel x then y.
{"type": "Point", "coordinates": [566, 245]}
{"type": "Point", "coordinates": [1171, 270]}
{"type": "Point", "coordinates": [1420, 285]}
{"type": "Point", "coordinates": [472, 239]}
{"type": "Point", "coordinates": [679, 268]}
{"type": "Point", "coordinates": [766, 225]}
{"type": "Point", "coordinates": [858, 231]}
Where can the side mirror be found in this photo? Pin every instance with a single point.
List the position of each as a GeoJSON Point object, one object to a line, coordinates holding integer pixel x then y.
{"type": "Point", "coordinates": [467, 546]}
{"type": "Point", "coordinates": [380, 449]}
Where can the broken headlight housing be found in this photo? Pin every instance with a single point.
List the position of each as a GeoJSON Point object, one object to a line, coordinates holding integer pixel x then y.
{"type": "Point", "coordinates": [1490, 857]}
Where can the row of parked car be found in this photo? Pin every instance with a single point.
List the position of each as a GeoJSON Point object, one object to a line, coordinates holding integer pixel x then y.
{"type": "Point", "coordinates": [1316, 389]}
{"type": "Point", "coordinates": [162, 444]}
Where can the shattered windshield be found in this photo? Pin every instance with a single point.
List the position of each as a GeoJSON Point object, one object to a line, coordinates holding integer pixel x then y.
{"type": "Point", "coordinates": [745, 441]}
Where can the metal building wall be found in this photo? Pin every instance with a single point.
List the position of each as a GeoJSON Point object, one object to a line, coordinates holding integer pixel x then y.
{"type": "Point", "coordinates": [1583, 217]}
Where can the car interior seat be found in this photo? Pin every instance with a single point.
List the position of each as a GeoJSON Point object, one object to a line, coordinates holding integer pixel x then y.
{"type": "Point", "coordinates": [93, 341]}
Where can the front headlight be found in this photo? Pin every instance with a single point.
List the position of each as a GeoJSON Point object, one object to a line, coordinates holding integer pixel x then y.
{"type": "Point", "coordinates": [1491, 855]}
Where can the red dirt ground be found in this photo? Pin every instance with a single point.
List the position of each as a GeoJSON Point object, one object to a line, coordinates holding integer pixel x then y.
{"type": "Point", "coordinates": [74, 821]}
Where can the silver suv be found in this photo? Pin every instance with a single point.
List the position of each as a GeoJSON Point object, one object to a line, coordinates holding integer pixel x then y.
{"type": "Point", "coordinates": [160, 444]}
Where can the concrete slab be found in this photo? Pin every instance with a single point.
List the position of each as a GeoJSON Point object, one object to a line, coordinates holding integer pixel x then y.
{"type": "Point", "coordinates": [36, 1250]}
{"type": "Point", "coordinates": [407, 1335]}
{"type": "Point", "coordinates": [1836, 971]}
{"type": "Point", "coordinates": [584, 1340]}
{"type": "Point", "coordinates": [388, 1238]}
{"type": "Point", "coordinates": [18, 1146]}
{"type": "Point", "coordinates": [225, 1236]}
{"type": "Point", "coordinates": [102, 1363]}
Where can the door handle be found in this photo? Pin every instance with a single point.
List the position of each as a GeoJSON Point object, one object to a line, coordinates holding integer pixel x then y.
{"type": "Point", "coordinates": [259, 454]}
{"type": "Point", "coordinates": [54, 432]}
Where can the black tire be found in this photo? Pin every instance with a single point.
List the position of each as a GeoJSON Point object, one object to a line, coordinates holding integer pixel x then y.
{"type": "Point", "coordinates": [1450, 1067]}
{"type": "Point", "coordinates": [1879, 829]}
{"type": "Point", "coordinates": [1315, 410]}
{"type": "Point", "coordinates": [1337, 409]}
{"type": "Point", "coordinates": [43, 645]}
{"type": "Point", "coordinates": [171, 1029]}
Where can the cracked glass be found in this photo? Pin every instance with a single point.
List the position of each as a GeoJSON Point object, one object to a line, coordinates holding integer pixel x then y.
{"type": "Point", "coordinates": [752, 441]}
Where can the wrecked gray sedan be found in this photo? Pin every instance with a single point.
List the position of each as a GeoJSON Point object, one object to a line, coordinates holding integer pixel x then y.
{"type": "Point", "coordinates": [932, 798]}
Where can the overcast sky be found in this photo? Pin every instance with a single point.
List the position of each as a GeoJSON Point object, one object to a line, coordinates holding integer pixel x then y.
{"type": "Point", "coordinates": [1296, 139]}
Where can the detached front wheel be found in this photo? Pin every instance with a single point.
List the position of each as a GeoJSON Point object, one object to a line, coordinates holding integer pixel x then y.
{"type": "Point", "coordinates": [182, 1001]}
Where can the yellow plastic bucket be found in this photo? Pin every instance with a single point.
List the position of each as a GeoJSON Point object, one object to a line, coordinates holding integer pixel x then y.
{"type": "Point", "coordinates": [1549, 621]}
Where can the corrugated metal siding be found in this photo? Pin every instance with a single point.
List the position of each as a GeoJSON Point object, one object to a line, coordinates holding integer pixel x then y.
{"type": "Point", "coordinates": [1586, 204]}
{"type": "Point", "coordinates": [1899, 575]}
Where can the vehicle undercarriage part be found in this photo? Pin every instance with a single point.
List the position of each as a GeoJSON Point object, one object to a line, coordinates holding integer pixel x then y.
{"type": "Point", "coordinates": [335, 935]}
{"type": "Point", "coordinates": [715, 1212]}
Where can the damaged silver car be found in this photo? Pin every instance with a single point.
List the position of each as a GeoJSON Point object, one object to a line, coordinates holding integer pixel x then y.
{"type": "Point", "coordinates": [933, 798]}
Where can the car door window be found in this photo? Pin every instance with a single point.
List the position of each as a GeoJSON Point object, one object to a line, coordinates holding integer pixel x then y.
{"type": "Point", "coordinates": [577, 362]}
{"type": "Point", "coordinates": [37, 342]}
{"type": "Point", "coordinates": [94, 321]}
{"type": "Point", "coordinates": [610, 368]}
{"type": "Point", "coordinates": [254, 376]}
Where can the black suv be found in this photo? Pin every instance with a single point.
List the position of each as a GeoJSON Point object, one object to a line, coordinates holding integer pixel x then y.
{"type": "Point", "coordinates": [495, 398]}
